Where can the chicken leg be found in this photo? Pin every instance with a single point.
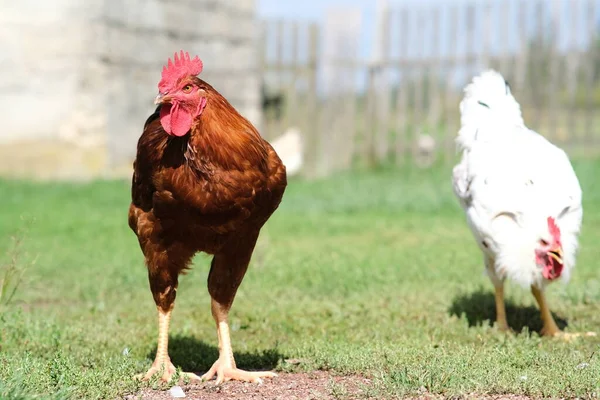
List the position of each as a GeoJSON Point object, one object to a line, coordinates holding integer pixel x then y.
{"type": "Point", "coordinates": [162, 361]}
{"type": "Point", "coordinates": [498, 282]}
{"type": "Point", "coordinates": [163, 272]}
{"type": "Point", "coordinates": [227, 271]}
{"type": "Point", "coordinates": [549, 325]}
{"type": "Point", "coordinates": [225, 367]}
{"type": "Point", "coordinates": [501, 322]}
{"type": "Point", "coordinates": [550, 328]}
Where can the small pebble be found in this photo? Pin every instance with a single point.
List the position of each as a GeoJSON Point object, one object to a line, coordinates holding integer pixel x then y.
{"type": "Point", "coordinates": [582, 365]}
{"type": "Point", "coordinates": [177, 392]}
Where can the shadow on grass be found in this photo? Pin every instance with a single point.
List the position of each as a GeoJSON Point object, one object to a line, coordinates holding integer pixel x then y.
{"type": "Point", "coordinates": [194, 355]}
{"type": "Point", "coordinates": [480, 308]}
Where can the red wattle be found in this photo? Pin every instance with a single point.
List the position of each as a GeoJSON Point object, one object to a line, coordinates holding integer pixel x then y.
{"type": "Point", "coordinates": [175, 120]}
{"type": "Point", "coordinates": [552, 270]}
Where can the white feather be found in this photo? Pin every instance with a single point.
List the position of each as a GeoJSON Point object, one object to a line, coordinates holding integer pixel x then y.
{"type": "Point", "coordinates": [290, 148]}
{"type": "Point", "coordinates": [487, 103]}
{"type": "Point", "coordinates": [509, 181]}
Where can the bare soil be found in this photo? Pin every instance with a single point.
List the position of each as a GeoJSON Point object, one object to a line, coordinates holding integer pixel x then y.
{"type": "Point", "coordinates": [317, 385]}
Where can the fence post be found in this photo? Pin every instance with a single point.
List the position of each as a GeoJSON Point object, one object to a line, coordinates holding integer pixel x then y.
{"type": "Point", "coordinates": [381, 82]}
{"type": "Point", "coordinates": [589, 138]}
{"type": "Point", "coordinates": [312, 132]}
{"type": "Point", "coordinates": [402, 89]}
{"type": "Point", "coordinates": [340, 53]}
{"type": "Point", "coordinates": [451, 108]}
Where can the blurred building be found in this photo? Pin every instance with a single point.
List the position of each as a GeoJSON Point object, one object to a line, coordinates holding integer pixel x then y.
{"type": "Point", "coordinates": [78, 78]}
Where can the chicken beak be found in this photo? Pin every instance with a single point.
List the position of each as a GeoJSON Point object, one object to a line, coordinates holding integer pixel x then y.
{"type": "Point", "coordinates": [557, 254]}
{"type": "Point", "coordinates": [160, 98]}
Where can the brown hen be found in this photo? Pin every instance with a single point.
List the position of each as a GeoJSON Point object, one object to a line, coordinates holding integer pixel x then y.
{"type": "Point", "coordinates": [204, 180]}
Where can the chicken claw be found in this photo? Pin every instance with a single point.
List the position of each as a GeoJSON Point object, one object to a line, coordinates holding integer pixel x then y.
{"type": "Point", "coordinates": [225, 372]}
{"type": "Point", "coordinates": [570, 336]}
{"type": "Point", "coordinates": [168, 371]}
{"type": "Point", "coordinates": [507, 330]}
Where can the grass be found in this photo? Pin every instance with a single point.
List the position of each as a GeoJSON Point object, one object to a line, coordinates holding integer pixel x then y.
{"type": "Point", "coordinates": [366, 273]}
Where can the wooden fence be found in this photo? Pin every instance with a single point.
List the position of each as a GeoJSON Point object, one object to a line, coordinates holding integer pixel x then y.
{"type": "Point", "coordinates": [401, 104]}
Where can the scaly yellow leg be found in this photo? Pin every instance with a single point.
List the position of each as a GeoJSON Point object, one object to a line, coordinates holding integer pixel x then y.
{"type": "Point", "coordinates": [162, 359]}
{"type": "Point", "coordinates": [501, 322]}
{"type": "Point", "coordinates": [225, 367]}
{"type": "Point", "coordinates": [550, 328]}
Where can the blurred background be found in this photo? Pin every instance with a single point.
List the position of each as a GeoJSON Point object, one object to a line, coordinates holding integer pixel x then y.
{"type": "Point", "coordinates": [347, 83]}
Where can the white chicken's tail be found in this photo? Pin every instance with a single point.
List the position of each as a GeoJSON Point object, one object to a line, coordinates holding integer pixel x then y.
{"type": "Point", "coordinates": [487, 103]}
{"type": "Point", "coordinates": [290, 148]}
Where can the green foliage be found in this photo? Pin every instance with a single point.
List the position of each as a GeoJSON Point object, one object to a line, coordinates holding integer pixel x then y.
{"type": "Point", "coordinates": [12, 271]}
{"type": "Point", "coordinates": [371, 273]}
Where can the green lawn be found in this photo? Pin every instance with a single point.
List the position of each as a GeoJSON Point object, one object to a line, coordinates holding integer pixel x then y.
{"type": "Point", "coordinates": [368, 273]}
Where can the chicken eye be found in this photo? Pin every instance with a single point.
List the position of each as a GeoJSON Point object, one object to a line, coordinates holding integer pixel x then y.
{"type": "Point", "coordinates": [543, 242]}
{"type": "Point", "coordinates": [187, 88]}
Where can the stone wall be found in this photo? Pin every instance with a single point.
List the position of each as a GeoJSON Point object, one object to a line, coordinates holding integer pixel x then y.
{"type": "Point", "coordinates": [86, 73]}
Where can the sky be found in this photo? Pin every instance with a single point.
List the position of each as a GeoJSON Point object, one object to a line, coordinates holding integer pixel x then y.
{"type": "Point", "coordinates": [308, 9]}
{"type": "Point", "coordinates": [314, 10]}
{"type": "Point", "coordinates": [425, 37]}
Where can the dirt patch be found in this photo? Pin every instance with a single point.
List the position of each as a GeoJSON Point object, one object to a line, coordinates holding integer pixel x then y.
{"type": "Point", "coordinates": [317, 385]}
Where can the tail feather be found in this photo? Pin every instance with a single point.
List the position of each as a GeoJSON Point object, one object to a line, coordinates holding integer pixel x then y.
{"type": "Point", "coordinates": [290, 148]}
{"type": "Point", "coordinates": [487, 102]}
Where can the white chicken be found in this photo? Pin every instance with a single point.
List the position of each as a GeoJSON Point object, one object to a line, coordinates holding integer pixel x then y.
{"type": "Point", "coordinates": [520, 194]}
{"type": "Point", "coordinates": [290, 148]}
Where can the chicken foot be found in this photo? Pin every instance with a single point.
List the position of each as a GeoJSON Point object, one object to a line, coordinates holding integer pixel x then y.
{"type": "Point", "coordinates": [225, 367]}
{"type": "Point", "coordinates": [550, 328]}
{"type": "Point", "coordinates": [162, 361]}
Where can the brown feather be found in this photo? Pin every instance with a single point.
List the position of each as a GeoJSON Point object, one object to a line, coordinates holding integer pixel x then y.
{"type": "Point", "coordinates": [210, 190]}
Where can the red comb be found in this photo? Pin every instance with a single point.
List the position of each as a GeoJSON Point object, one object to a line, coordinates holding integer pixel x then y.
{"type": "Point", "coordinates": [553, 228]}
{"type": "Point", "coordinates": [181, 67]}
